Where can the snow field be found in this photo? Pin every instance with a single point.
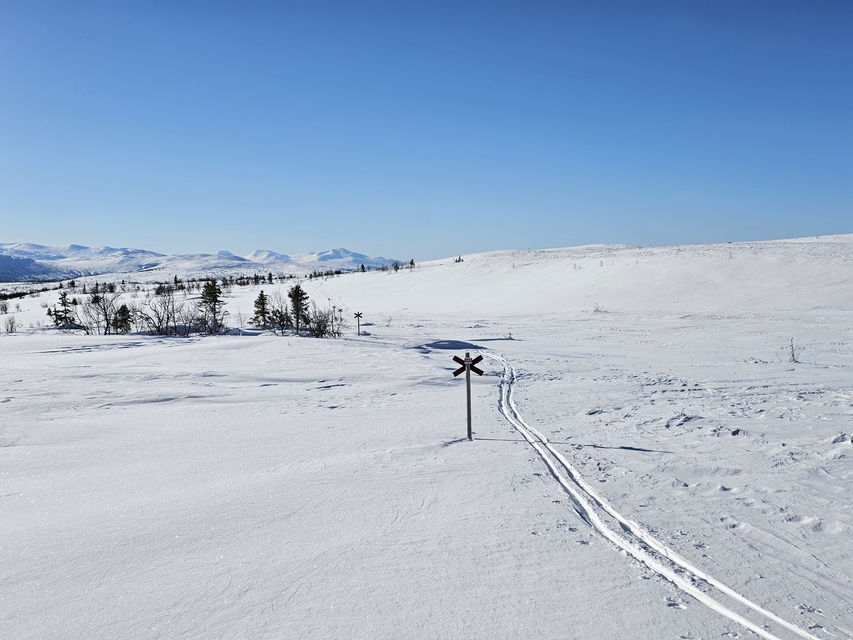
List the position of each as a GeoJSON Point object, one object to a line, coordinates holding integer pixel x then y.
{"type": "Point", "coordinates": [283, 487]}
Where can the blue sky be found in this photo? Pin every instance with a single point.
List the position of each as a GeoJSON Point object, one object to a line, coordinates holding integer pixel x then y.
{"type": "Point", "coordinates": [423, 129]}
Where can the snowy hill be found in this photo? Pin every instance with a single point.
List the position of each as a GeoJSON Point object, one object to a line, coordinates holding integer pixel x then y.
{"type": "Point", "coordinates": [732, 277]}
{"type": "Point", "coordinates": [24, 261]}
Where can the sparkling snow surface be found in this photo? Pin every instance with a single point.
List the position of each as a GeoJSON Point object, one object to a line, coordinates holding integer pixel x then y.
{"type": "Point", "coordinates": [657, 468]}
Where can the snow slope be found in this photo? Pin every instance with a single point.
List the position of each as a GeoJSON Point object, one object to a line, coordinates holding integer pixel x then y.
{"type": "Point", "coordinates": [656, 469]}
{"type": "Point", "coordinates": [737, 277]}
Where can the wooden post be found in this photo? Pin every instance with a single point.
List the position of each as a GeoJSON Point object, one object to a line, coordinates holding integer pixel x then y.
{"type": "Point", "coordinates": [358, 320]}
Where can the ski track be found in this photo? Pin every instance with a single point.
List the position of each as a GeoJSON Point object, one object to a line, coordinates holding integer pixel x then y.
{"type": "Point", "coordinates": [636, 542]}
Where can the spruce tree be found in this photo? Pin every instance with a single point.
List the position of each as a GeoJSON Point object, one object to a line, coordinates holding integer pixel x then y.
{"type": "Point", "coordinates": [64, 312]}
{"type": "Point", "coordinates": [63, 315]}
{"type": "Point", "coordinates": [122, 319]}
{"type": "Point", "coordinates": [298, 305]}
{"type": "Point", "coordinates": [262, 312]}
{"type": "Point", "coordinates": [211, 305]}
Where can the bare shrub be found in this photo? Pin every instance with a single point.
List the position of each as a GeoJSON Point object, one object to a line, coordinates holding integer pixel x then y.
{"type": "Point", "coordinates": [280, 318]}
{"type": "Point", "coordinates": [99, 312]}
{"type": "Point", "coordinates": [794, 355]}
{"type": "Point", "coordinates": [159, 313]}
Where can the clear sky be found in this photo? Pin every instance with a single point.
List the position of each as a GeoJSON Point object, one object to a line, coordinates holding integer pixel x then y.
{"type": "Point", "coordinates": [423, 129]}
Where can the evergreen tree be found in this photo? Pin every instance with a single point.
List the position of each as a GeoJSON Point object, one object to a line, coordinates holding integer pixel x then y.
{"type": "Point", "coordinates": [122, 319]}
{"type": "Point", "coordinates": [211, 305]}
{"type": "Point", "coordinates": [262, 311]}
{"type": "Point", "coordinates": [298, 305]}
{"type": "Point", "coordinates": [63, 315]}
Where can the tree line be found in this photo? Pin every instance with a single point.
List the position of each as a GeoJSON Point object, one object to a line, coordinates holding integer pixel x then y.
{"type": "Point", "coordinates": [169, 311]}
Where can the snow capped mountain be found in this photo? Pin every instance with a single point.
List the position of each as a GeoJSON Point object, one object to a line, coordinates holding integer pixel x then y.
{"type": "Point", "coordinates": [265, 256]}
{"type": "Point", "coordinates": [13, 268]}
{"type": "Point", "coordinates": [339, 254]}
{"type": "Point", "coordinates": [330, 259]}
{"type": "Point", "coordinates": [30, 251]}
{"type": "Point", "coordinates": [29, 261]}
{"type": "Point", "coordinates": [26, 261]}
{"type": "Point", "coordinates": [341, 259]}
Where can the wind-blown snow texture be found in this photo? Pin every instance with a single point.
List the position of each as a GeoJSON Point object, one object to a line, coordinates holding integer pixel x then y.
{"type": "Point", "coordinates": [24, 261]}
{"type": "Point", "coordinates": [654, 469]}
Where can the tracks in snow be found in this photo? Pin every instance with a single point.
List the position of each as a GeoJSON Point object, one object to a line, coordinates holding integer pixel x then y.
{"type": "Point", "coordinates": [629, 536]}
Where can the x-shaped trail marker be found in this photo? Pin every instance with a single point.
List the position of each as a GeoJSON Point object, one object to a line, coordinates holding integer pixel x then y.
{"type": "Point", "coordinates": [468, 365]}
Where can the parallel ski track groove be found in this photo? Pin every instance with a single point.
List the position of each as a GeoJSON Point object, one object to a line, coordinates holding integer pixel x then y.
{"type": "Point", "coordinates": [637, 542]}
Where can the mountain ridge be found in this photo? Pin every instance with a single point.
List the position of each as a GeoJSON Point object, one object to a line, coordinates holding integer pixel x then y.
{"type": "Point", "coordinates": [28, 261]}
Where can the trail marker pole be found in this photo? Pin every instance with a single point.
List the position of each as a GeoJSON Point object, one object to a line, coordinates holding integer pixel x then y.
{"type": "Point", "coordinates": [358, 320]}
{"type": "Point", "coordinates": [468, 365]}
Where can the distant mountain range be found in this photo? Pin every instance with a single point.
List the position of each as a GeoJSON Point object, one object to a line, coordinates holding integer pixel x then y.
{"type": "Point", "coordinates": [25, 261]}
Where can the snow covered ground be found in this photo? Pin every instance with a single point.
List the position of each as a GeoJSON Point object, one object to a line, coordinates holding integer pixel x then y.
{"type": "Point", "coordinates": [655, 468]}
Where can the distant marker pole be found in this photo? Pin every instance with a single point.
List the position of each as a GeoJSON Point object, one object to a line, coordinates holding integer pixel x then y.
{"type": "Point", "coordinates": [468, 365]}
{"type": "Point", "coordinates": [358, 320]}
